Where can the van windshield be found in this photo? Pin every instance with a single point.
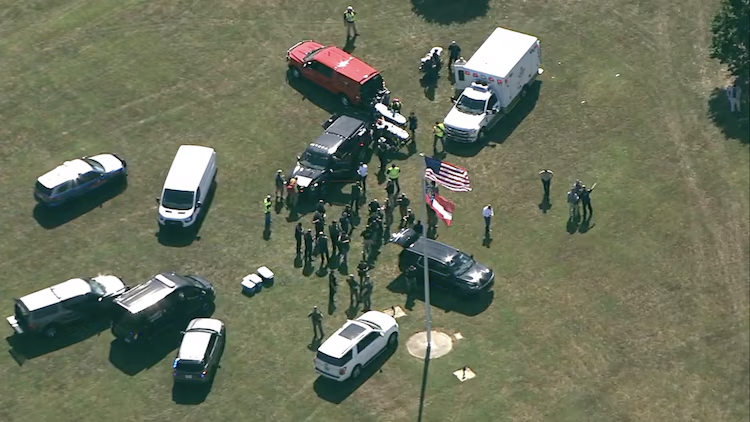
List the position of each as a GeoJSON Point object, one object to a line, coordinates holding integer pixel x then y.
{"type": "Point", "coordinates": [189, 366]}
{"type": "Point", "coordinates": [371, 88]}
{"type": "Point", "coordinates": [314, 159]}
{"type": "Point", "coordinates": [178, 199]}
{"type": "Point", "coordinates": [470, 105]}
{"type": "Point", "coordinates": [43, 190]}
{"type": "Point", "coordinates": [461, 263]}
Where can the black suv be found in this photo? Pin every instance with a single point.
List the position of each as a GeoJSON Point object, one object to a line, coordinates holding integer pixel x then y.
{"type": "Point", "coordinates": [449, 268]}
{"type": "Point", "coordinates": [166, 302]}
{"type": "Point", "coordinates": [334, 156]}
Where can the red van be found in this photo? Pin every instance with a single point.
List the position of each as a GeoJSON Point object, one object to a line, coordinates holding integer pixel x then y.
{"type": "Point", "coordinates": [354, 81]}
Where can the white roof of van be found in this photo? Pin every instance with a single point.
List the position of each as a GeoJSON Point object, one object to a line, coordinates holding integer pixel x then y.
{"type": "Point", "coordinates": [55, 294]}
{"type": "Point", "coordinates": [69, 170]}
{"type": "Point", "coordinates": [186, 174]}
{"type": "Point", "coordinates": [500, 52]}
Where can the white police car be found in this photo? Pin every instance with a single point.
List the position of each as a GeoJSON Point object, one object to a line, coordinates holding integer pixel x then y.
{"type": "Point", "coordinates": [78, 177]}
{"type": "Point", "coordinates": [353, 346]}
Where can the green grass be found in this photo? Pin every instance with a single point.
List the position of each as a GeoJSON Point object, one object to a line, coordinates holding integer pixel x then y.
{"type": "Point", "coordinates": [642, 318]}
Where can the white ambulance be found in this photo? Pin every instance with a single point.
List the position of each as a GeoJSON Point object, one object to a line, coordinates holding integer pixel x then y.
{"type": "Point", "coordinates": [491, 83]}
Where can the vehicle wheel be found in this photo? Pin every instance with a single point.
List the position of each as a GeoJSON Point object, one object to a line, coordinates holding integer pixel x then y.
{"type": "Point", "coordinates": [294, 73]}
{"type": "Point", "coordinates": [393, 341]}
{"type": "Point", "coordinates": [482, 134]}
{"type": "Point", "coordinates": [356, 372]}
{"type": "Point", "coordinates": [50, 331]}
{"type": "Point", "coordinates": [344, 100]}
{"type": "Point", "coordinates": [206, 307]}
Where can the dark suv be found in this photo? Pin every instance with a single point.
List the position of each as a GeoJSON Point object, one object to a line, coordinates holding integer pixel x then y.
{"type": "Point", "coordinates": [449, 268]}
{"type": "Point", "coordinates": [334, 156]}
{"type": "Point", "coordinates": [165, 302]}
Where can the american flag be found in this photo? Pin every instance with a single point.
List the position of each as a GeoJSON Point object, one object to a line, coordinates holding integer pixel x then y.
{"type": "Point", "coordinates": [451, 176]}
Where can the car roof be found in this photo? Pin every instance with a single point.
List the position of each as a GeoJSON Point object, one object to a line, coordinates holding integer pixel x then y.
{"type": "Point", "coordinates": [345, 64]}
{"type": "Point", "coordinates": [194, 345]}
{"type": "Point", "coordinates": [66, 171]}
{"type": "Point", "coordinates": [187, 167]}
{"type": "Point", "coordinates": [381, 319]}
{"type": "Point", "coordinates": [149, 293]}
{"type": "Point", "coordinates": [412, 241]}
{"type": "Point", "coordinates": [56, 294]}
{"type": "Point", "coordinates": [206, 324]}
{"type": "Point", "coordinates": [513, 46]}
{"type": "Point", "coordinates": [345, 126]}
{"type": "Point", "coordinates": [327, 142]}
{"type": "Point", "coordinates": [344, 339]}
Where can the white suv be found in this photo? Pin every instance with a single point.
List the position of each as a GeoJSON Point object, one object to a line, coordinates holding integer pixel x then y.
{"type": "Point", "coordinates": [355, 345]}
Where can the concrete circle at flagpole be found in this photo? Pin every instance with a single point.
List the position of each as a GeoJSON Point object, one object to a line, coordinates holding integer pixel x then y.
{"type": "Point", "coordinates": [442, 344]}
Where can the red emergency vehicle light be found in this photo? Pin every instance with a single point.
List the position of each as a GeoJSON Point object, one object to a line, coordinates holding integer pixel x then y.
{"type": "Point", "coordinates": [475, 75]}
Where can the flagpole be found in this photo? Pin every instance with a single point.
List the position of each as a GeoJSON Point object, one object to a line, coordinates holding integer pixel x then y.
{"type": "Point", "coordinates": [427, 312]}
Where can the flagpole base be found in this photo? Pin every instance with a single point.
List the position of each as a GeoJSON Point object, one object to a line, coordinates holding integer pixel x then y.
{"type": "Point", "coordinates": [441, 345]}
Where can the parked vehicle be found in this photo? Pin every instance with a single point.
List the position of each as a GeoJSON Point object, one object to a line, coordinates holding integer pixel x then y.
{"type": "Point", "coordinates": [334, 156]}
{"type": "Point", "coordinates": [190, 179]}
{"type": "Point", "coordinates": [162, 304]}
{"type": "Point", "coordinates": [449, 268]}
{"type": "Point", "coordinates": [48, 310]}
{"type": "Point", "coordinates": [355, 345]}
{"type": "Point", "coordinates": [352, 80]}
{"type": "Point", "coordinates": [78, 177]}
{"type": "Point", "coordinates": [198, 357]}
{"type": "Point", "coordinates": [491, 83]}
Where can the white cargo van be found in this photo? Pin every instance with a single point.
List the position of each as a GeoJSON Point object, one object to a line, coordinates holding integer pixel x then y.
{"type": "Point", "coordinates": [188, 183]}
{"type": "Point", "coordinates": [491, 83]}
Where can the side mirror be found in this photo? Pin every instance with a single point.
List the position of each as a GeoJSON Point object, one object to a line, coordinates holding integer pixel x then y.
{"type": "Point", "coordinates": [158, 201]}
{"type": "Point", "coordinates": [198, 204]}
{"type": "Point", "coordinates": [472, 256]}
{"type": "Point", "coordinates": [182, 332]}
{"type": "Point", "coordinates": [306, 64]}
{"type": "Point", "coordinates": [299, 158]}
{"type": "Point", "coordinates": [454, 100]}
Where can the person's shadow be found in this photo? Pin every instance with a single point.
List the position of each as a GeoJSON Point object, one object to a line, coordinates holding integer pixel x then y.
{"type": "Point", "coordinates": [586, 225]}
{"type": "Point", "coordinates": [314, 344]}
{"type": "Point", "coordinates": [545, 205]}
{"type": "Point", "coordinates": [331, 307]}
{"type": "Point", "coordinates": [267, 232]}
{"type": "Point", "coordinates": [308, 269]}
{"type": "Point", "coordinates": [278, 206]}
{"type": "Point", "coordinates": [349, 45]}
{"type": "Point", "coordinates": [487, 241]}
{"type": "Point", "coordinates": [298, 261]}
{"type": "Point", "coordinates": [572, 225]}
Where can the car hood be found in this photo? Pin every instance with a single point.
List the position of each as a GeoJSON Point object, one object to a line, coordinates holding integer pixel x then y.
{"type": "Point", "coordinates": [113, 285]}
{"type": "Point", "coordinates": [465, 121]}
{"type": "Point", "coordinates": [305, 175]}
{"type": "Point", "coordinates": [298, 52]}
{"type": "Point", "coordinates": [110, 162]}
{"type": "Point", "coordinates": [478, 274]}
{"type": "Point", "coordinates": [385, 321]}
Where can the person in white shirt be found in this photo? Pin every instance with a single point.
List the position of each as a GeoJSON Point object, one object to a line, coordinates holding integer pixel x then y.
{"type": "Point", "coordinates": [734, 94]}
{"type": "Point", "coordinates": [546, 176]}
{"type": "Point", "coordinates": [362, 172]}
{"type": "Point", "coordinates": [573, 204]}
{"type": "Point", "coordinates": [487, 213]}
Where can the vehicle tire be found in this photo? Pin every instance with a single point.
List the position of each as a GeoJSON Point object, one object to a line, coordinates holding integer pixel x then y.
{"type": "Point", "coordinates": [205, 307]}
{"type": "Point", "coordinates": [356, 372]}
{"type": "Point", "coordinates": [482, 135]}
{"type": "Point", "coordinates": [345, 100]}
{"type": "Point", "coordinates": [393, 341]}
{"type": "Point", "coordinates": [50, 331]}
{"type": "Point", "coordinates": [294, 73]}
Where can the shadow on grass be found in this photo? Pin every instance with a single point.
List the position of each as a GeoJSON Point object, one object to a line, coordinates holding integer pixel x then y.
{"type": "Point", "coordinates": [504, 128]}
{"type": "Point", "coordinates": [445, 299]}
{"type": "Point", "coordinates": [181, 237]}
{"type": "Point", "coordinates": [23, 348]}
{"type": "Point", "coordinates": [188, 394]}
{"type": "Point", "coordinates": [336, 392]}
{"type": "Point", "coordinates": [131, 359]}
{"type": "Point", "coordinates": [445, 12]}
{"type": "Point", "coordinates": [732, 125]}
{"type": "Point", "coordinates": [315, 94]}
{"type": "Point", "coordinates": [50, 218]}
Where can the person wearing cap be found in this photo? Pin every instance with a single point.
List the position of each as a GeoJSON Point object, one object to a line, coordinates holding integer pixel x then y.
{"type": "Point", "coordinates": [454, 52]}
{"type": "Point", "coordinates": [333, 288]}
{"type": "Point", "coordinates": [299, 233]}
{"type": "Point", "coordinates": [355, 197]}
{"type": "Point", "coordinates": [362, 173]}
{"type": "Point", "coordinates": [267, 206]}
{"type": "Point", "coordinates": [487, 213]}
{"type": "Point", "coordinates": [308, 246]}
{"type": "Point", "coordinates": [322, 243]}
{"type": "Point", "coordinates": [413, 122]}
{"type": "Point", "coordinates": [546, 176]}
{"type": "Point", "coordinates": [396, 105]}
{"type": "Point", "coordinates": [353, 291]}
{"type": "Point", "coordinates": [291, 193]}
{"type": "Point", "coordinates": [280, 184]}
{"type": "Point", "coordinates": [317, 322]}
{"type": "Point", "coordinates": [350, 22]}
{"type": "Point", "coordinates": [343, 242]}
{"type": "Point", "coordinates": [408, 220]}
{"type": "Point", "coordinates": [366, 294]}
{"type": "Point", "coordinates": [393, 173]}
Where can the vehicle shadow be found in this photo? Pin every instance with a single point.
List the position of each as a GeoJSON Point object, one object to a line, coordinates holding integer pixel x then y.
{"type": "Point", "coordinates": [50, 218]}
{"type": "Point", "coordinates": [732, 125]}
{"type": "Point", "coordinates": [180, 238]}
{"type": "Point", "coordinates": [336, 392]}
{"type": "Point", "coordinates": [446, 12]}
{"type": "Point", "coordinates": [24, 348]}
{"type": "Point", "coordinates": [504, 128]}
{"type": "Point", "coordinates": [132, 359]}
{"type": "Point", "coordinates": [444, 299]}
{"type": "Point", "coordinates": [315, 94]}
{"type": "Point", "coordinates": [192, 394]}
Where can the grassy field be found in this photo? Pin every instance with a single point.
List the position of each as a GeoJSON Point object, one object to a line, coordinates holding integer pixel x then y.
{"type": "Point", "coordinates": [641, 316]}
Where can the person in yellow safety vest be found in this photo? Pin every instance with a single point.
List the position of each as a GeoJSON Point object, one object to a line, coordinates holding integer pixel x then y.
{"type": "Point", "coordinates": [267, 206]}
{"type": "Point", "coordinates": [438, 132]}
{"type": "Point", "coordinates": [396, 105]}
{"type": "Point", "coordinates": [393, 172]}
{"type": "Point", "coordinates": [350, 22]}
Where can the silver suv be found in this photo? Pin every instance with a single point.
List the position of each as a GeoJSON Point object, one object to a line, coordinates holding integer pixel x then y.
{"type": "Point", "coordinates": [200, 351]}
{"type": "Point", "coordinates": [48, 310]}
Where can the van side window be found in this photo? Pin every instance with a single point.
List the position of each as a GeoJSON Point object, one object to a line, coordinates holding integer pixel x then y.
{"type": "Point", "coordinates": [492, 103]}
{"type": "Point", "coordinates": [367, 341]}
{"type": "Point", "coordinates": [322, 69]}
{"type": "Point", "coordinates": [64, 187]}
{"type": "Point", "coordinates": [461, 75]}
{"type": "Point", "coordinates": [85, 178]}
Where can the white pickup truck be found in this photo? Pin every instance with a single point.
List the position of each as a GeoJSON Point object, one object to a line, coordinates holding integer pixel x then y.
{"type": "Point", "coordinates": [491, 83]}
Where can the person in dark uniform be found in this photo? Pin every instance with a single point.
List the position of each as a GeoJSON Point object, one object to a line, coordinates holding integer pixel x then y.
{"type": "Point", "coordinates": [322, 243]}
{"type": "Point", "coordinates": [390, 189]}
{"type": "Point", "coordinates": [317, 322]}
{"type": "Point", "coordinates": [333, 287]}
{"type": "Point", "coordinates": [343, 247]}
{"type": "Point", "coordinates": [321, 207]}
{"type": "Point", "coordinates": [454, 51]}
{"type": "Point", "coordinates": [308, 246]}
{"type": "Point", "coordinates": [408, 219]}
{"type": "Point", "coordinates": [403, 204]}
{"type": "Point", "coordinates": [363, 270]}
{"type": "Point", "coordinates": [356, 196]}
{"type": "Point", "coordinates": [388, 211]}
{"type": "Point", "coordinates": [298, 234]}
{"type": "Point", "coordinates": [374, 206]}
{"type": "Point", "coordinates": [367, 288]}
{"type": "Point", "coordinates": [413, 123]}
{"type": "Point", "coordinates": [381, 150]}
{"type": "Point", "coordinates": [368, 242]}
{"type": "Point", "coordinates": [418, 227]}
{"type": "Point", "coordinates": [319, 222]}
{"type": "Point", "coordinates": [411, 282]}
{"type": "Point", "coordinates": [345, 221]}
{"type": "Point", "coordinates": [585, 197]}
{"type": "Point", "coordinates": [333, 234]}
{"type": "Point", "coordinates": [353, 291]}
